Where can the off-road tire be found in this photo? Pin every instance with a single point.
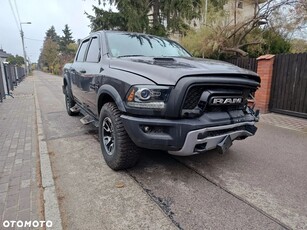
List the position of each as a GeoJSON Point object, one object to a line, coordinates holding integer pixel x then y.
{"type": "Point", "coordinates": [125, 153]}
{"type": "Point", "coordinates": [69, 103]}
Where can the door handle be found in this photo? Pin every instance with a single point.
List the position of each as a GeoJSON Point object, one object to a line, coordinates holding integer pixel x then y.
{"type": "Point", "coordinates": [83, 71]}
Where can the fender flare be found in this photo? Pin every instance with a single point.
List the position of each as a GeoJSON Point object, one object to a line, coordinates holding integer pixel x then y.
{"type": "Point", "coordinates": [112, 92]}
{"type": "Point", "coordinates": [66, 78]}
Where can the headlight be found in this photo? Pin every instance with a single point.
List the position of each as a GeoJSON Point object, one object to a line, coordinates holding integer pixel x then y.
{"type": "Point", "coordinates": [143, 94]}
{"type": "Point", "coordinates": [148, 96]}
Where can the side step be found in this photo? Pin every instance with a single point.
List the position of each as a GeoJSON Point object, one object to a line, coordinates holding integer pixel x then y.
{"type": "Point", "coordinates": [75, 109]}
{"type": "Point", "coordinates": [87, 120]}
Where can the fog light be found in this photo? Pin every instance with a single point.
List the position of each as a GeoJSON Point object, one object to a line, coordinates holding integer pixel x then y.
{"type": "Point", "coordinates": [146, 129]}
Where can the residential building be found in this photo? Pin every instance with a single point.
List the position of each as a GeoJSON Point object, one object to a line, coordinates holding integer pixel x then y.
{"type": "Point", "coordinates": [3, 55]}
{"type": "Point", "coordinates": [238, 11]}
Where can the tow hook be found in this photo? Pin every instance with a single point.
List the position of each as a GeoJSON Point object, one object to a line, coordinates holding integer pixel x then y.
{"type": "Point", "coordinates": [224, 145]}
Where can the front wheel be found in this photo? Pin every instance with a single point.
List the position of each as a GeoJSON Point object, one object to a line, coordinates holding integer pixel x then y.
{"type": "Point", "coordinates": [117, 148]}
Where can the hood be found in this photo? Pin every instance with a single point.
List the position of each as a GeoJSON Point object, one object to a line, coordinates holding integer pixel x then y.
{"type": "Point", "coordinates": [168, 71]}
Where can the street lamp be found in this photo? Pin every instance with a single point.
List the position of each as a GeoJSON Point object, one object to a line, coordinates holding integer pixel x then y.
{"type": "Point", "coordinates": [23, 46]}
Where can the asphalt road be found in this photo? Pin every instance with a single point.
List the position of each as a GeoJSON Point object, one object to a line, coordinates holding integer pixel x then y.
{"type": "Point", "coordinates": [259, 184]}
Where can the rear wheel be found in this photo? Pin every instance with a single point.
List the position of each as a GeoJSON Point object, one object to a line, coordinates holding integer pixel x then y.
{"type": "Point", "coordinates": [69, 102]}
{"type": "Point", "coordinates": [117, 148]}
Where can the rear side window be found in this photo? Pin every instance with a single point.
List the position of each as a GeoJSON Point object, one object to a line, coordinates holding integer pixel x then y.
{"type": "Point", "coordinates": [93, 51]}
{"type": "Point", "coordinates": [82, 50]}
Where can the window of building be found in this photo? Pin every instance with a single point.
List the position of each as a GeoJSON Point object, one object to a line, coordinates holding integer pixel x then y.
{"type": "Point", "coordinates": [240, 4]}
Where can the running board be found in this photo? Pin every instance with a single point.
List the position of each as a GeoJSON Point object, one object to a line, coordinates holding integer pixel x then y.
{"type": "Point", "coordinates": [75, 109]}
{"type": "Point", "coordinates": [87, 120]}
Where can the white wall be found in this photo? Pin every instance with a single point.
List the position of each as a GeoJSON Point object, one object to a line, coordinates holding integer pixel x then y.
{"type": "Point", "coordinates": [240, 14]}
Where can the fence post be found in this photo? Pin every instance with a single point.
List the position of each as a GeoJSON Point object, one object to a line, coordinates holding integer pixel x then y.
{"type": "Point", "coordinates": [4, 79]}
{"type": "Point", "coordinates": [16, 74]}
{"type": "Point", "coordinates": [265, 71]}
{"type": "Point", "coordinates": [2, 82]}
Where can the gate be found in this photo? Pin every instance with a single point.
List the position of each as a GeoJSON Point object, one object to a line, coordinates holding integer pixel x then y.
{"type": "Point", "coordinates": [289, 85]}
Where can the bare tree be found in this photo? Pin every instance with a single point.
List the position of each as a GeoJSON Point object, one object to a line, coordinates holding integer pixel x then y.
{"type": "Point", "coordinates": [263, 15]}
{"type": "Point", "coordinates": [233, 37]}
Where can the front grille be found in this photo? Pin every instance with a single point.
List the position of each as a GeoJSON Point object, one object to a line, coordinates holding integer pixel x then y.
{"type": "Point", "coordinates": [193, 97]}
{"type": "Point", "coordinates": [194, 93]}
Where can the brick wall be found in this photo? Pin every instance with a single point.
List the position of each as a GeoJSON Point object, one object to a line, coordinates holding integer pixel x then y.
{"type": "Point", "coordinates": [265, 71]}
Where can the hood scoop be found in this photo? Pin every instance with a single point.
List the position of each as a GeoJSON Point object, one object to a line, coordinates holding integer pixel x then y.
{"type": "Point", "coordinates": [162, 59]}
{"type": "Point", "coordinates": [163, 62]}
{"type": "Point", "coordinates": [170, 63]}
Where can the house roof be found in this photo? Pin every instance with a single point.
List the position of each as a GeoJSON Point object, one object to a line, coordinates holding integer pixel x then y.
{"type": "Point", "coordinates": [3, 54]}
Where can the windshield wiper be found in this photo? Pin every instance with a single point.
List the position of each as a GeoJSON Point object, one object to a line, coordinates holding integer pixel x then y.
{"type": "Point", "coordinates": [131, 55]}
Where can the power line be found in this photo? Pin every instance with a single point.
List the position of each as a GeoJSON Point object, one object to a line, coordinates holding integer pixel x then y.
{"type": "Point", "coordinates": [34, 39]}
{"type": "Point", "coordinates": [14, 15]}
{"type": "Point", "coordinates": [17, 10]}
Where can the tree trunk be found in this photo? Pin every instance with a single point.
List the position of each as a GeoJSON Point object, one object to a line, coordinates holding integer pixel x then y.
{"type": "Point", "coordinates": [155, 13]}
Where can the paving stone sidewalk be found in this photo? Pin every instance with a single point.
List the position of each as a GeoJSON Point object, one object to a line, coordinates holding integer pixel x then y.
{"type": "Point", "coordinates": [288, 122]}
{"type": "Point", "coordinates": [19, 181]}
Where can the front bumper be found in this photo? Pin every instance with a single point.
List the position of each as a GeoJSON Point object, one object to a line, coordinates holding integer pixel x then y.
{"type": "Point", "coordinates": [187, 136]}
{"type": "Point", "coordinates": [194, 144]}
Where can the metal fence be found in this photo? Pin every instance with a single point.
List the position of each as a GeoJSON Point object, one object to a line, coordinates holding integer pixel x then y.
{"type": "Point", "coordinates": [10, 77]}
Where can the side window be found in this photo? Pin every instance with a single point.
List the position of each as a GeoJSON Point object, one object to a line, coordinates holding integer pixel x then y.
{"type": "Point", "coordinates": [82, 51]}
{"type": "Point", "coordinates": [93, 51]}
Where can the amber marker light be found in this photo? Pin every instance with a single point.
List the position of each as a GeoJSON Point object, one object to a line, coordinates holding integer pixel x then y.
{"type": "Point", "coordinates": [131, 95]}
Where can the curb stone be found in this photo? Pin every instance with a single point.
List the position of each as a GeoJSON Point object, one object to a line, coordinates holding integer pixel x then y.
{"type": "Point", "coordinates": [51, 206]}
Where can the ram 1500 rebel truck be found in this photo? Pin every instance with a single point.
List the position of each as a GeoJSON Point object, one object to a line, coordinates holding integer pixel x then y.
{"type": "Point", "coordinates": [144, 91]}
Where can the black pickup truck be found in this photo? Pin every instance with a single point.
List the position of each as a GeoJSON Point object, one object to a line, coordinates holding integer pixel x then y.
{"type": "Point", "coordinates": [144, 91]}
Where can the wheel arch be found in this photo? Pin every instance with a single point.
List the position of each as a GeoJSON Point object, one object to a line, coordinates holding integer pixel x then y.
{"type": "Point", "coordinates": [108, 93]}
{"type": "Point", "coordinates": [66, 83]}
{"type": "Point", "coordinates": [65, 78]}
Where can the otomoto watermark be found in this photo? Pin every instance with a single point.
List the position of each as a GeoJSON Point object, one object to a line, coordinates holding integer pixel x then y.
{"type": "Point", "coordinates": [26, 223]}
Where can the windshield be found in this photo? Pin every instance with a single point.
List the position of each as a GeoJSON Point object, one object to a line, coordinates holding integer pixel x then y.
{"type": "Point", "coordinates": [127, 44]}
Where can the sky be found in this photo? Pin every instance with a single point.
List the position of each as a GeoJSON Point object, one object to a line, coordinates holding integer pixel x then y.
{"type": "Point", "coordinates": [42, 14]}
